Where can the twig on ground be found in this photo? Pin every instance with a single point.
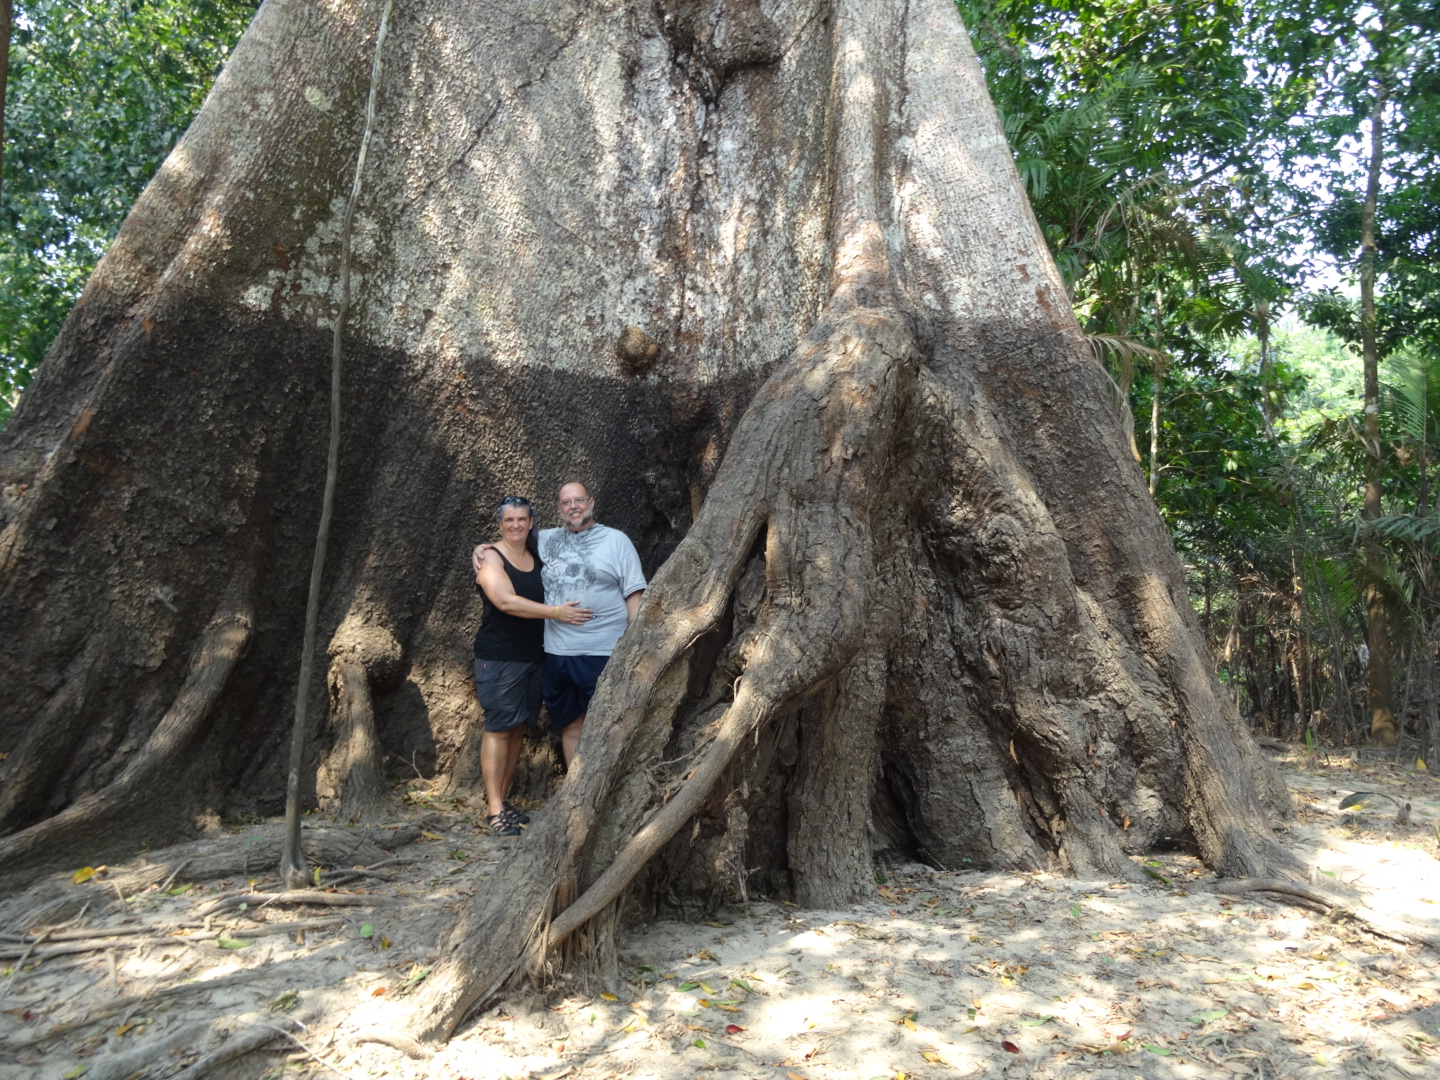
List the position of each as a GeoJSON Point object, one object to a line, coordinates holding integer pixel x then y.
{"type": "Point", "coordinates": [15, 971]}
{"type": "Point", "coordinates": [318, 1057]}
{"type": "Point", "coordinates": [347, 876]}
{"type": "Point", "coordinates": [86, 935]}
{"type": "Point", "coordinates": [256, 901]}
{"type": "Point", "coordinates": [175, 873]}
{"type": "Point", "coordinates": [256, 930]}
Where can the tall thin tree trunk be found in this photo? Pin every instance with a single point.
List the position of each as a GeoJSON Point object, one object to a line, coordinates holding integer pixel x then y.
{"type": "Point", "coordinates": [1158, 364]}
{"type": "Point", "coordinates": [1262, 332]}
{"type": "Point", "coordinates": [1377, 671]}
{"type": "Point", "coordinates": [292, 858]}
{"type": "Point", "coordinates": [7, 17]}
{"type": "Point", "coordinates": [1157, 376]}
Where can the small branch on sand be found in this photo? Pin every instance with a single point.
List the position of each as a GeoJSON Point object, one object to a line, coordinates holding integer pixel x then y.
{"type": "Point", "coordinates": [97, 944]}
{"type": "Point", "coordinates": [174, 874]}
{"type": "Point", "coordinates": [256, 901]}
{"type": "Point", "coordinates": [15, 972]}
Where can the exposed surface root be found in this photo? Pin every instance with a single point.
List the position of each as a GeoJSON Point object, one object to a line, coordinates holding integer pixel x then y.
{"type": "Point", "coordinates": [396, 1040]}
{"type": "Point", "coordinates": [1332, 902]}
{"type": "Point", "coordinates": [256, 849]}
{"type": "Point", "coordinates": [29, 852]}
{"type": "Point", "coordinates": [249, 1038]}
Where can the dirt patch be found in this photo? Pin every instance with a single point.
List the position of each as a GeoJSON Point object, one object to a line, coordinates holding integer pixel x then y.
{"type": "Point", "coordinates": [941, 974]}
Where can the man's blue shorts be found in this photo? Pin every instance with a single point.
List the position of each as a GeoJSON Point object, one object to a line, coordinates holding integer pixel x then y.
{"type": "Point", "coordinates": [568, 684]}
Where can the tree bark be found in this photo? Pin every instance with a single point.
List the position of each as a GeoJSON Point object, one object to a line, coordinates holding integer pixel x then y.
{"type": "Point", "coordinates": [909, 588]}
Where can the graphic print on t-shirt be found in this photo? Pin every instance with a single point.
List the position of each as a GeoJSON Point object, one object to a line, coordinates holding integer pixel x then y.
{"type": "Point", "coordinates": [599, 568]}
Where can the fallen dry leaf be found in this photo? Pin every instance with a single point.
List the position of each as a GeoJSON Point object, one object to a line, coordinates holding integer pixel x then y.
{"type": "Point", "coordinates": [1007, 1045]}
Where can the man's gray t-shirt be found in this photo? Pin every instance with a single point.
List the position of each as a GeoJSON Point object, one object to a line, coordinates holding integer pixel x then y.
{"type": "Point", "coordinates": [599, 568]}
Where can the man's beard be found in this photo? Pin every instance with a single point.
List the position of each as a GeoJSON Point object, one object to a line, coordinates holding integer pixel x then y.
{"type": "Point", "coordinates": [585, 522]}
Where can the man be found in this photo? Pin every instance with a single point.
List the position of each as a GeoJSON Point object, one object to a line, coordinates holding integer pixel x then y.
{"type": "Point", "coordinates": [597, 566]}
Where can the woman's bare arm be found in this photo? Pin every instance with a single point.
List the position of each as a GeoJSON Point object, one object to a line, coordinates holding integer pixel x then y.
{"type": "Point", "coordinates": [501, 593]}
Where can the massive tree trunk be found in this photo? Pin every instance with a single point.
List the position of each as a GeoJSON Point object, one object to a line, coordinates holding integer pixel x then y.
{"type": "Point", "coordinates": [910, 591]}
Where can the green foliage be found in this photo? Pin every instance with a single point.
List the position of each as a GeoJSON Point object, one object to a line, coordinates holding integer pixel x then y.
{"type": "Point", "coordinates": [1220, 472]}
{"type": "Point", "coordinates": [99, 92]}
{"type": "Point", "coordinates": [1330, 370]}
{"type": "Point", "coordinates": [1190, 165]}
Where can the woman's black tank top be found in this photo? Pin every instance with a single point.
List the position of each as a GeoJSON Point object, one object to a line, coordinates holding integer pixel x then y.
{"type": "Point", "coordinates": [509, 637]}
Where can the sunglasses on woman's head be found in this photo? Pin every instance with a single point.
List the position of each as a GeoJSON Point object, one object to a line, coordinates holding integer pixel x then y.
{"type": "Point", "coordinates": [514, 500]}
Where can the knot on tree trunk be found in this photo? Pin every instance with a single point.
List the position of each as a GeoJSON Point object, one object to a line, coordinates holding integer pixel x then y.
{"type": "Point", "coordinates": [717, 37]}
{"type": "Point", "coordinates": [373, 647]}
{"type": "Point", "coordinates": [637, 350]}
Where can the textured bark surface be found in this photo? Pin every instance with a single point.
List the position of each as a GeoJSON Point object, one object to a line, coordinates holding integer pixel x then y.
{"type": "Point", "coordinates": [762, 273]}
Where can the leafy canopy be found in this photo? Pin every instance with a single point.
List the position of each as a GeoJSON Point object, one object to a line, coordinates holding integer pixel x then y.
{"type": "Point", "coordinates": [100, 90]}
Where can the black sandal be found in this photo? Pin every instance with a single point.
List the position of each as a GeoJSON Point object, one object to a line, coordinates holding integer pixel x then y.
{"type": "Point", "coordinates": [501, 825]}
{"type": "Point", "coordinates": [517, 816]}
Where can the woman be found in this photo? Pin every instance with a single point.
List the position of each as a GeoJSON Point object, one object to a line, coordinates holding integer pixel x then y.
{"type": "Point", "coordinates": [509, 649]}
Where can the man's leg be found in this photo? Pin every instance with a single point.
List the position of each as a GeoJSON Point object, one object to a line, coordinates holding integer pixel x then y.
{"type": "Point", "coordinates": [512, 758]}
{"type": "Point", "coordinates": [570, 738]}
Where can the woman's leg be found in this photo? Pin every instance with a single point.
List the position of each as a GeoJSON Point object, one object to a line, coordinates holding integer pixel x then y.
{"type": "Point", "coordinates": [496, 765]}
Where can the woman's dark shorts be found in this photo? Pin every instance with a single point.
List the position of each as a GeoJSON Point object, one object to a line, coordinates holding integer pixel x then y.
{"type": "Point", "coordinates": [509, 692]}
{"type": "Point", "coordinates": [569, 685]}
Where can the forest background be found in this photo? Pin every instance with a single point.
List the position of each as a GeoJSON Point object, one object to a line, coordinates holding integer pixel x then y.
{"type": "Point", "coordinates": [1242, 198]}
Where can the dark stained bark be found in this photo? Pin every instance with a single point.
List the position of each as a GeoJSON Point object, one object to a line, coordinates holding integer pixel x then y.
{"type": "Point", "coordinates": [909, 589]}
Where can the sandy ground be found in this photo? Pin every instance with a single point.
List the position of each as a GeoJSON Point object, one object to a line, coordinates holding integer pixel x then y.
{"type": "Point", "coordinates": [940, 975]}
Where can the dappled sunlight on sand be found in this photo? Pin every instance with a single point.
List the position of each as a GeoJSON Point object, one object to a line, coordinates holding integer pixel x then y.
{"type": "Point", "coordinates": [937, 974]}
{"type": "Point", "coordinates": [1035, 975]}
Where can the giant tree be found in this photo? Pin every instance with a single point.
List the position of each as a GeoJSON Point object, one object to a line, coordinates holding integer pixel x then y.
{"type": "Point", "coordinates": [764, 275]}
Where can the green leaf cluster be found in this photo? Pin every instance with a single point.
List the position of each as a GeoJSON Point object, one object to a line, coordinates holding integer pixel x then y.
{"type": "Point", "coordinates": [99, 92]}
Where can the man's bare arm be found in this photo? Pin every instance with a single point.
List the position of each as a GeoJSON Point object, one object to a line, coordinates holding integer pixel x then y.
{"type": "Point", "coordinates": [632, 604]}
{"type": "Point", "coordinates": [477, 558]}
